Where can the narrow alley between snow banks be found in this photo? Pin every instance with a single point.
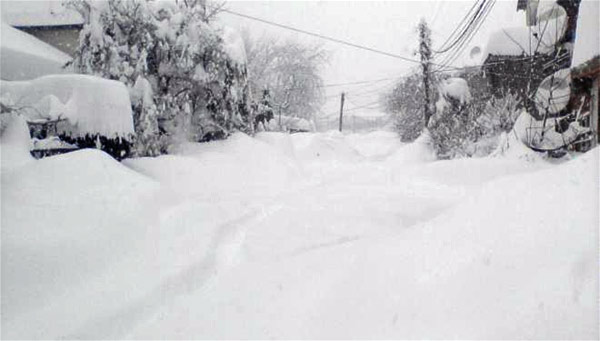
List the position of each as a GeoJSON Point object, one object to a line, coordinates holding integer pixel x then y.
{"type": "Point", "coordinates": [315, 235]}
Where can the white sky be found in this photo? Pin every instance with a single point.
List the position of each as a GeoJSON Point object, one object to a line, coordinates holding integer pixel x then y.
{"type": "Point", "coordinates": [384, 25]}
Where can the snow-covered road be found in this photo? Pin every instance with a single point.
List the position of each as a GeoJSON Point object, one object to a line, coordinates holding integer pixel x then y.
{"type": "Point", "coordinates": [301, 236]}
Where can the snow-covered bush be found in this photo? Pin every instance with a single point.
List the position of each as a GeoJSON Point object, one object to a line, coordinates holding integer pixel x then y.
{"type": "Point", "coordinates": [453, 128]}
{"type": "Point", "coordinates": [405, 103]}
{"type": "Point", "coordinates": [187, 77]}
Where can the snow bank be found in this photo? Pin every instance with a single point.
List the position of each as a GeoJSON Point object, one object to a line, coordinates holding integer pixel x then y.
{"type": "Point", "coordinates": [66, 221]}
{"type": "Point", "coordinates": [239, 164]}
{"type": "Point", "coordinates": [15, 142]}
{"type": "Point", "coordinates": [420, 151]}
{"type": "Point", "coordinates": [24, 57]}
{"type": "Point", "coordinates": [330, 146]}
{"type": "Point", "coordinates": [92, 105]}
{"type": "Point", "coordinates": [456, 88]}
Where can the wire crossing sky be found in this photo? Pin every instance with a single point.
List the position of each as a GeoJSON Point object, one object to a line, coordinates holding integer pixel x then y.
{"type": "Point", "coordinates": [386, 26]}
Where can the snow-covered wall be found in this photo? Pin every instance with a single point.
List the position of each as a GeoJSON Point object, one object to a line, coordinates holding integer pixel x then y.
{"type": "Point", "coordinates": [92, 105]}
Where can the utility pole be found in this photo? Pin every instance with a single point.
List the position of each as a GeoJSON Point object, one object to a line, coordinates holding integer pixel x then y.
{"type": "Point", "coordinates": [342, 110]}
{"type": "Point", "coordinates": [425, 52]}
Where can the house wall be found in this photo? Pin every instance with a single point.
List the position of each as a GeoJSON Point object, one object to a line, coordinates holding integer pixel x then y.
{"type": "Point", "coordinates": [64, 38]}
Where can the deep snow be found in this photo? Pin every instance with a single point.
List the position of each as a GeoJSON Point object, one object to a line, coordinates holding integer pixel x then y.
{"type": "Point", "coordinates": [301, 236]}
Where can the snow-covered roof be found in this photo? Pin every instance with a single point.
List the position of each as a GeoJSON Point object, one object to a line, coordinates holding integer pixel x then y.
{"type": "Point", "coordinates": [25, 57]}
{"type": "Point", "coordinates": [38, 13]}
{"type": "Point", "coordinates": [587, 38]}
{"type": "Point", "coordinates": [92, 105]}
{"type": "Point", "coordinates": [523, 40]}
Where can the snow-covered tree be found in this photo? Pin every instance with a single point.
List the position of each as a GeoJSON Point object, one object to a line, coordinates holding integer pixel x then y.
{"type": "Point", "coordinates": [169, 52]}
{"type": "Point", "coordinates": [290, 70]}
{"type": "Point", "coordinates": [453, 128]}
{"type": "Point", "coordinates": [405, 103]}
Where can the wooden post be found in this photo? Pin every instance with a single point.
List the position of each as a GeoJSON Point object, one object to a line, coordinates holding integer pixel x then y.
{"type": "Point", "coordinates": [425, 53]}
{"type": "Point", "coordinates": [342, 110]}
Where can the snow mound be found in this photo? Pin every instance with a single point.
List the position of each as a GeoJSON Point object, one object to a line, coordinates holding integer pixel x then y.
{"type": "Point", "coordinates": [66, 220]}
{"type": "Point", "coordinates": [15, 142]}
{"type": "Point", "coordinates": [456, 88]}
{"type": "Point", "coordinates": [375, 144]}
{"type": "Point", "coordinates": [331, 146]}
{"type": "Point", "coordinates": [24, 57]}
{"type": "Point", "coordinates": [420, 151]}
{"type": "Point", "coordinates": [92, 105]}
{"type": "Point", "coordinates": [214, 169]}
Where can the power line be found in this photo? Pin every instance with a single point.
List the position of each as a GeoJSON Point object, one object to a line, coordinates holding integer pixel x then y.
{"type": "Point", "coordinates": [321, 36]}
{"type": "Point", "coordinates": [443, 47]}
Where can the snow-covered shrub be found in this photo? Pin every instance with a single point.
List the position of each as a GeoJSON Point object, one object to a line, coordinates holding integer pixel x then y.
{"type": "Point", "coordinates": [453, 128]}
{"type": "Point", "coordinates": [405, 103]}
{"type": "Point", "coordinates": [499, 114]}
{"type": "Point", "coordinates": [187, 77]}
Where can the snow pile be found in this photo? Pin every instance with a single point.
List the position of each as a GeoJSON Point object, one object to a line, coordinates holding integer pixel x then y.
{"type": "Point", "coordinates": [15, 142]}
{"type": "Point", "coordinates": [420, 151]}
{"type": "Point", "coordinates": [25, 57]}
{"type": "Point", "coordinates": [375, 144]}
{"type": "Point", "coordinates": [330, 146]}
{"type": "Point", "coordinates": [456, 88]}
{"type": "Point", "coordinates": [236, 165]}
{"type": "Point", "coordinates": [68, 221]}
{"type": "Point", "coordinates": [91, 105]}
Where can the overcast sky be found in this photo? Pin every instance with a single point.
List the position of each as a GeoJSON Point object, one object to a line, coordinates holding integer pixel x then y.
{"type": "Point", "coordinates": [384, 25]}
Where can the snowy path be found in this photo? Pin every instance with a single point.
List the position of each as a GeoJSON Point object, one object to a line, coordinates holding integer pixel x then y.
{"type": "Point", "coordinates": [310, 236]}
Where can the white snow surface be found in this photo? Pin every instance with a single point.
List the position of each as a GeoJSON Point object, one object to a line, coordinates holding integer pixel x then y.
{"type": "Point", "coordinates": [24, 57]}
{"type": "Point", "coordinates": [91, 104]}
{"type": "Point", "coordinates": [311, 235]}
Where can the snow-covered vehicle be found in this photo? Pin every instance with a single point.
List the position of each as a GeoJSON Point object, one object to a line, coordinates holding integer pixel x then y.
{"type": "Point", "coordinates": [83, 111]}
